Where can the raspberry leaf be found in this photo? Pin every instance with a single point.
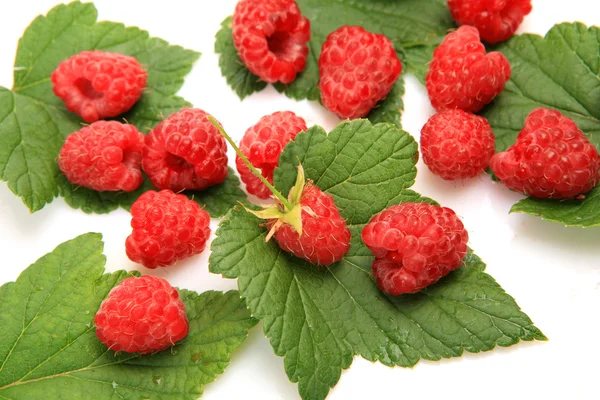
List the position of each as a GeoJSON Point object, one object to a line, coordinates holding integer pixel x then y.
{"type": "Point", "coordinates": [579, 213]}
{"type": "Point", "coordinates": [34, 122]}
{"type": "Point", "coordinates": [558, 71]}
{"type": "Point", "coordinates": [318, 319]}
{"type": "Point", "coordinates": [50, 308]}
{"type": "Point", "coordinates": [241, 80]}
{"type": "Point", "coordinates": [414, 26]}
{"type": "Point", "coordinates": [216, 200]}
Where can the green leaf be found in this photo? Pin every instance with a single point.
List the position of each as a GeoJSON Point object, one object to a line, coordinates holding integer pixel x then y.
{"type": "Point", "coordinates": [34, 122]}
{"type": "Point", "coordinates": [216, 200]}
{"type": "Point", "coordinates": [390, 109]}
{"type": "Point", "coordinates": [364, 167]}
{"type": "Point", "coordinates": [318, 319]}
{"type": "Point", "coordinates": [577, 213]}
{"type": "Point", "coordinates": [49, 348]}
{"type": "Point", "coordinates": [412, 25]}
{"type": "Point", "coordinates": [235, 72]}
{"type": "Point", "coordinates": [559, 71]}
{"type": "Point", "coordinates": [418, 55]}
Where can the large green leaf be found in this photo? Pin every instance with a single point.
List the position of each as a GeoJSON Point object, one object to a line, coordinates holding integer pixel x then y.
{"type": "Point", "coordinates": [319, 318]}
{"type": "Point", "coordinates": [49, 349]}
{"type": "Point", "coordinates": [414, 26]}
{"type": "Point", "coordinates": [560, 71]}
{"type": "Point", "coordinates": [34, 122]}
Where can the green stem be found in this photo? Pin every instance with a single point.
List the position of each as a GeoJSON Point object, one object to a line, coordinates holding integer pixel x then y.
{"type": "Point", "coordinates": [289, 206]}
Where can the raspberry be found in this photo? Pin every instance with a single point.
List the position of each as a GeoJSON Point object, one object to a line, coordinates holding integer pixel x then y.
{"type": "Point", "coordinates": [105, 155]}
{"type": "Point", "coordinates": [461, 75]}
{"type": "Point", "coordinates": [185, 151]}
{"type": "Point", "coordinates": [415, 245]}
{"type": "Point", "coordinates": [325, 238]}
{"type": "Point", "coordinates": [552, 158]}
{"type": "Point", "coordinates": [271, 38]}
{"type": "Point", "coordinates": [357, 68]}
{"type": "Point", "coordinates": [141, 315]}
{"type": "Point", "coordinates": [456, 144]}
{"type": "Point", "coordinates": [496, 20]}
{"type": "Point", "coordinates": [262, 144]}
{"type": "Point", "coordinates": [167, 227]}
{"type": "Point", "coordinates": [97, 84]}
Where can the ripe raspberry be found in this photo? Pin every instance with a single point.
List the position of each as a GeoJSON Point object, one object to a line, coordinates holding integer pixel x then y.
{"type": "Point", "coordinates": [414, 244]}
{"type": "Point", "coordinates": [167, 227]}
{"type": "Point", "coordinates": [262, 144]}
{"type": "Point", "coordinates": [271, 38]}
{"type": "Point", "coordinates": [552, 158]}
{"type": "Point", "coordinates": [97, 85]}
{"type": "Point", "coordinates": [105, 155]}
{"type": "Point", "coordinates": [185, 151]}
{"type": "Point", "coordinates": [357, 68]}
{"type": "Point", "coordinates": [141, 315]}
{"type": "Point", "coordinates": [462, 76]}
{"type": "Point", "coordinates": [496, 20]}
{"type": "Point", "coordinates": [456, 144]}
{"type": "Point", "coordinates": [325, 238]}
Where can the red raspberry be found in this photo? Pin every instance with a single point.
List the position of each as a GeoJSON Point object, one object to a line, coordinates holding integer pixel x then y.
{"type": "Point", "coordinates": [97, 84]}
{"type": "Point", "coordinates": [357, 68]}
{"type": "Point", "coordinates": [496, 20]}
{"type": "Point", "coordinates": [185, 151]}
{"type": "Point", "coordinates": [415, 244]}
{"type": "Point", "coordinates": [105, 155]}
{"type": "Point", "coordinates": [462, 76]}
{"type": "Point", "coordinates": [325, 237]}
{"type": "Point", "coordinates": [552, 158]}
{"type": "Point", "coordinates": [167, 227]}
{"type": "Point", "coordinates": [456, 144]}
{"type": "Point", "coordinates": [271, 38]}
{"type": "Point", "coordinates": [141, 315]}
{"type": "Point", "coordinates": [262, 144]}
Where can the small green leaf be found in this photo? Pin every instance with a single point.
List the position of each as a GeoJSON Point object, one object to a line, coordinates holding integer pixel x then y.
{"type": "Point", "coordinates": [559, 71]}
{"type": "Point", "coordinates": [34, 122]}
{"type": "Point", "coordinates": [414, 26]}
{"type": "Point", "coordinates": [237, 75]}
{"type": "Point", "coordinates": [318, 319]}
{"type": "Point", "coordinates": [216, 200]}
{"type": "Point", "coordinates": [418, 55]}
{"type": "Point", "coordinates": [390, 109]}
{"type": "Point", "coordinates": [49, 347]}
{"type": "Point", "coordinates": [578, 213]}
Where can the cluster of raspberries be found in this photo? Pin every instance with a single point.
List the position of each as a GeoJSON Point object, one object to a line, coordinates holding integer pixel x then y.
{"type": "Point", "coordinates": [414, 244]}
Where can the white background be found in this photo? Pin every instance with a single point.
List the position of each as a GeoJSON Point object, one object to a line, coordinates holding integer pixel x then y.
{"type": "Point", "coordinates": [552, 271]}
